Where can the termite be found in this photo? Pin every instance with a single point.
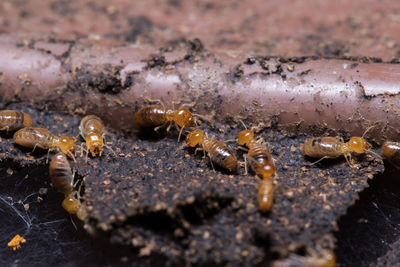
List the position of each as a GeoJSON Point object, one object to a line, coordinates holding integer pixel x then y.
{"type": "Point", "coordinates": [260, 158]}
{"type": "Point", "coordinates": [334, 147]}
{"type": "Point", "coordinates": [263, 165]}
{"type": "Point", "coordinates": [61, 175]}
{"type": "Point", "coordinates": [73, 205]}
{"type": "Point", "coordinates": [391, 150]}
{"type": "Point", "coordinates": [12, 120]}
{"type": "Point", "coordinates": [217, 151]}
{"type": "Point", "coordinates": [62, 178]}
{"type": "Point", "coordinates": [91, 129]}
{"type": "Point", "coordinates": [43, 138]}
{"type": "Point", "coordinates": [326, 258]}
{"type": "Point", "coordinates": [157, 116]}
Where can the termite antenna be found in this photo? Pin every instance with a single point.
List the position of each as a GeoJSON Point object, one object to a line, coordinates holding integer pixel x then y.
{"type": "Point", "coordinates": [367, 130]}
{"type": "Point", "coordinates": [112, 150]}
{"type": "Point", "coordinates": [244, 125]}
{"type": "Point", "coordinates": [73, 223]}
{"type": "Point", "coordinates": [72, 156]}
{"type": "Point", "coordinates": [375, 154]}
{"type": "Point", "coordinates": [315, 162]}
{"type": "Point", "coordinates": [87, 152]}
{"type": "Point", "coordinates": [105, 144]}
{"type": "Point", "coordinates": [48, 153]}
{"type": "Point", "coordinates": [159, 101]}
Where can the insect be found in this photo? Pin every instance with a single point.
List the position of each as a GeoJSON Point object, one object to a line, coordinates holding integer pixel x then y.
{"type": "Point", "coordinates": [43, 138]}
{"type": "Point", "coordinates": [260, 158]}
{"type": "Point", "coordinates": [12, 120]}
{"type": "Point", "coordinates": [15, 243]}
{"type": "Point", "coordinates": [61, 174]}
{"type": "Point", "coordinates": [62, 178]}
{"type": "Point", "coordinates": [217, 151]}
{"type": "Point", "coordinates": [326, 258]}
{"type": "Point", "coordinates": [265, 194]}
{"type": "Point", "coordinates": [263, 165]}
{"type": "Point", "coordinates": [334, 147]}
{"type": "Point", "coordinates": [91, 129]}
{"type": "Point", "coordinates": [391, 150]}
{"type": "Point", "coordinates": [157, 116]}
{"type": "Point", "coordinates": [73, 205]}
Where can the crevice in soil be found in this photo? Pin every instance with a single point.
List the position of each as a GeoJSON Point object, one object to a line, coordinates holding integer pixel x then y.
{"type": "Point", "coordinates": [372, 224]}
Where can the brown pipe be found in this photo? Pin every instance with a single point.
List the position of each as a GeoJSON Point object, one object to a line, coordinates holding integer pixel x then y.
{"type": "Point", "coordinates": [300, 94]}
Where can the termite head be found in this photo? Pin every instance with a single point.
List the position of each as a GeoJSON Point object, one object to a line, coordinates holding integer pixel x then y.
{"type": "Point", "coordinates": [267, 171]}
{"type": "Point", "coordinates": [67, 146]}
{"type": "Point", "coordinates": [194, 138]}
{"type": "Point", "coordinates": [94, 143]}
{"type": "Point", "coordinates": [71, 204]}
{"type": "Point", "coordinates": [183, 117]}
{"type": "Point", "coordinates": [245, 137]}
{"type": "Point", "coordinates": [359, 145]}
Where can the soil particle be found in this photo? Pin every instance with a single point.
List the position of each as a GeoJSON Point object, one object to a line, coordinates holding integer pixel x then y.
{"type": "Point", "coordinates": [164, 200]}
{"type": "Point", "coordinates": [391, 258]}
{"type": "Point", "coordinates": [156, 60]}
{"type": "Point", "coordinates": [141, 27]}
{"type": "Point", "coordinates": [105, 79]}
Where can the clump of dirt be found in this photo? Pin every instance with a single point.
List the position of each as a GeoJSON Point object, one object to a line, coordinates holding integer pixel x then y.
{"type": "Point", "coordinates": [105, 79]}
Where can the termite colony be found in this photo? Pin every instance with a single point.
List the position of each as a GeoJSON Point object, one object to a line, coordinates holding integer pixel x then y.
{"type": "Point", "coordinates": [258, 155]}
{"type": "Point", "coordinates": [219, 153]}
{"type": "Point", "coordinates": [61, 174]}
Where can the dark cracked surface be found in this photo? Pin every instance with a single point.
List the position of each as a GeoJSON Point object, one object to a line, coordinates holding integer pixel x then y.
{"type": "Point", "coordinates": [165, 200]}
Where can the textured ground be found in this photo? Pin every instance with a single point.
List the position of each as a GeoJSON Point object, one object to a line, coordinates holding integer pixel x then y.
{"type": "Point", "coordinates": [165, 200]}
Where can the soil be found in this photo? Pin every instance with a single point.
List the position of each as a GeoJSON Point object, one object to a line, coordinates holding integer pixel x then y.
{"type": "Point", "coordinates": [160, 198]}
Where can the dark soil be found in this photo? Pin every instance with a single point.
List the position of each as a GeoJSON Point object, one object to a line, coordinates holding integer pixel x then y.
{"type": "Point", "coordinates": [370, 231]}
{"type": "Point", "coordinates": [164, 201]}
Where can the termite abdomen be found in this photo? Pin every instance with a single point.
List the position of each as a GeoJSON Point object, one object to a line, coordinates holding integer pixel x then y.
{"type": "Point", "coordinates": [12, 120]}
{"type": "Point", "coordinates": [391, 150]}
{"type": "Point", "coordinates": [151, 116]}
{"type": "Point", "coordinates": [34, 137]}
{"type": "Point", "coordinates": [221, 154]}
{"type": "Point", "coordinates": [320, 147]}
{"type": "Point", "coordinates": [61, 174]}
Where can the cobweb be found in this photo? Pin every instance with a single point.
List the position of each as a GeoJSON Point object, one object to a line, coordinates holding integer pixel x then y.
{"type": "Point", "coordinates": [30, 207]}
{"type": "Point", "coordinates": [28, 210]}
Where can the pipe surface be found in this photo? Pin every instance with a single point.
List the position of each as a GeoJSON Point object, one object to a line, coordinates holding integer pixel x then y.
{"type": "Point", "coordinates": [304, 95]}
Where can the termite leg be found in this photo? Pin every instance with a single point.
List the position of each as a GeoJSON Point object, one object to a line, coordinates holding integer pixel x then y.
{"type": "Point", "coordinates": [315, 162]}
{"type": "Point", "coordinates": [212, 165]}
{"type": "Point", "coordinates": [180, 133]}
